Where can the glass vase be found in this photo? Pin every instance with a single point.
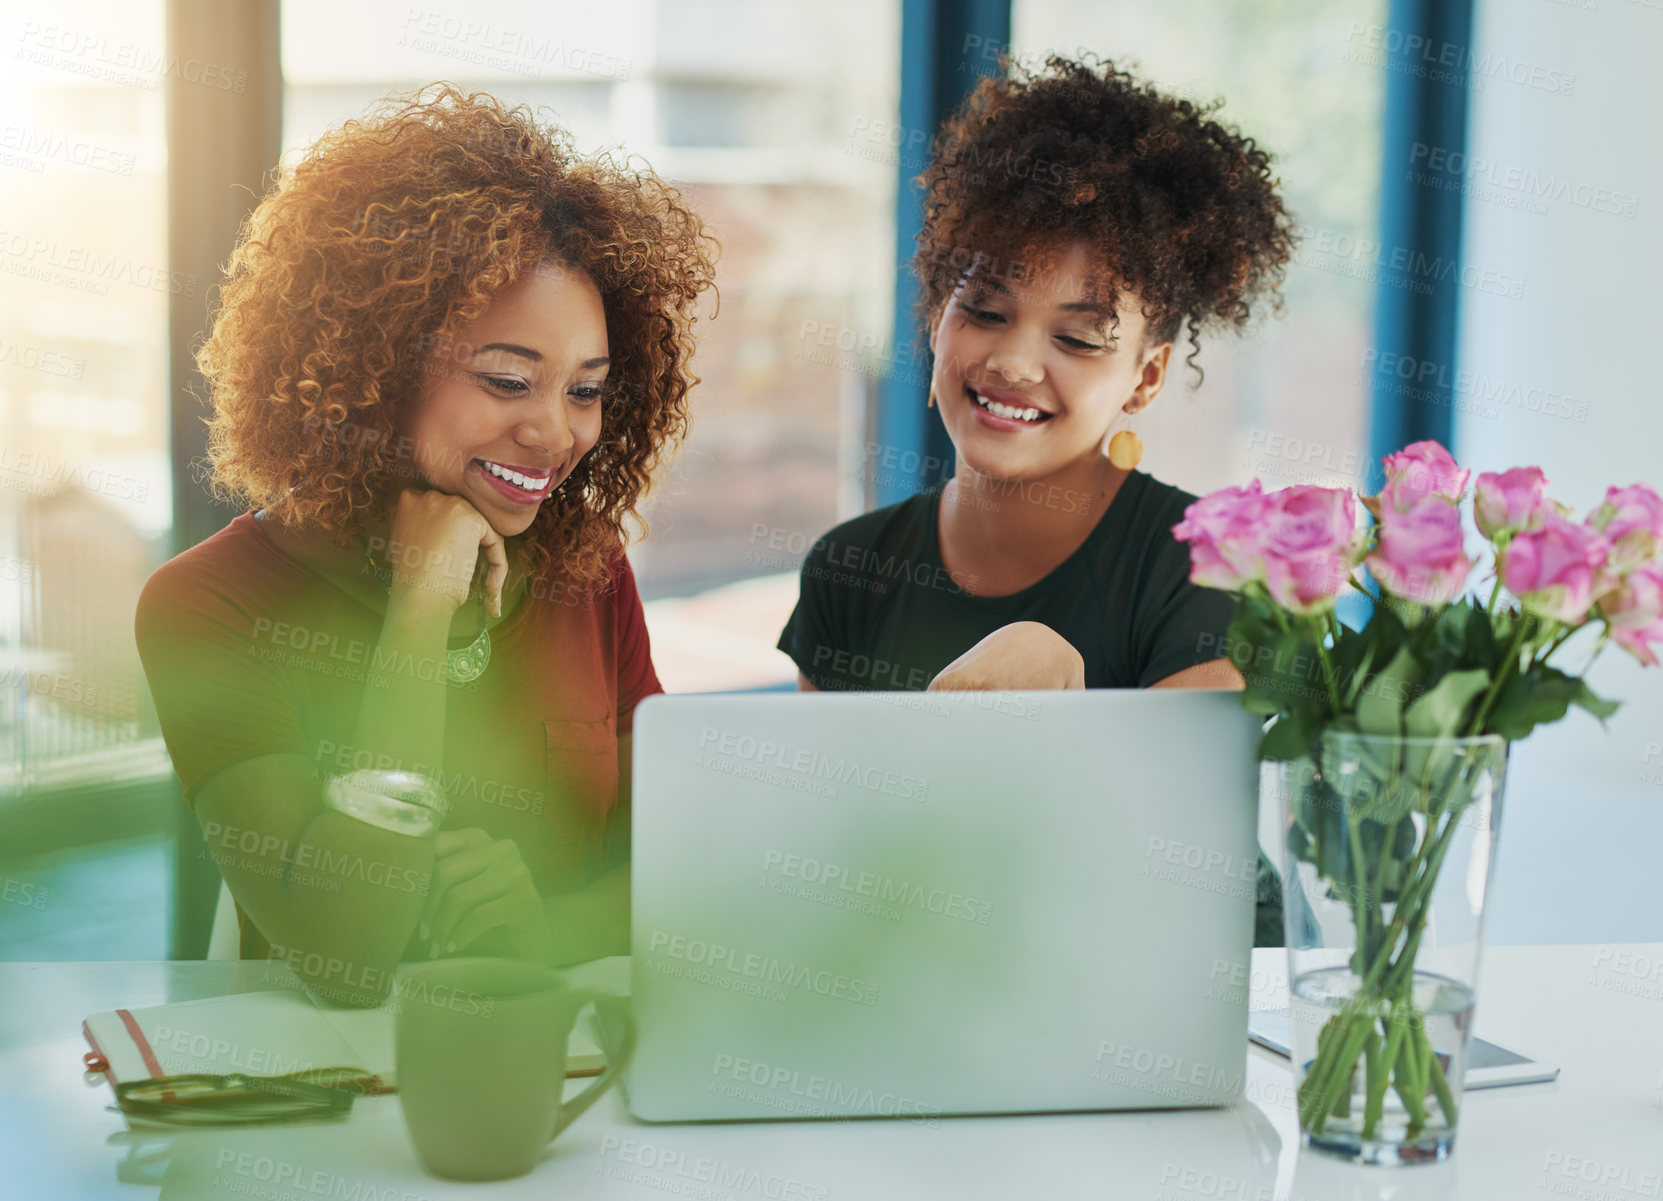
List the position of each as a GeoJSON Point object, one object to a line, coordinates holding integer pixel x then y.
{"type": "Point", "coordinates": [1390, 844]}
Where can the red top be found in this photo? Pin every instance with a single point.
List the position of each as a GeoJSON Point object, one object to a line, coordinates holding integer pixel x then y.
{"type": "Point", "coordinates": [248, 652]}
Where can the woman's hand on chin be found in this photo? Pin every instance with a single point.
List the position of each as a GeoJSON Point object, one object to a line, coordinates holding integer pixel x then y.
{"type": "Point", "coordinates": [439, 544]}
{"type": "Point", "coordinates": [1023, 655]}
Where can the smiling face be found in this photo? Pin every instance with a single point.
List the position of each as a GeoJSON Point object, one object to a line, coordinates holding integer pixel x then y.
{"type": "Point", "coordinates": [514, 402]}
{"type": "Point", "coordinates": [1028, 377]}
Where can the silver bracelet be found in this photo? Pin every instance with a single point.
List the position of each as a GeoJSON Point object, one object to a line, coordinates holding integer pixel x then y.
{"type": "Point", "coordinates": [404, 802]}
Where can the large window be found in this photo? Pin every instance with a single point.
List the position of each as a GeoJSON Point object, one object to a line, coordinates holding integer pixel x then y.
{"type": "Point", "coordinates": [84, 484]}
{"type": "Point", "coordinates": [753, 108]}
{"type": "Point", "coordinates": [780, 122]}
{"type": "Point", "coordinates": [1289, 402]}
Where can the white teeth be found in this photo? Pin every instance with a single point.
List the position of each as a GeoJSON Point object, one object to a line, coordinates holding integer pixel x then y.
{"type": "Point", "coordinates": [1009, 412]}
{"type": "Point", "coordinates": [526, 482]}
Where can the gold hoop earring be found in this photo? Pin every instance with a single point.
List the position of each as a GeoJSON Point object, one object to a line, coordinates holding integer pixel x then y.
{"type": "Point", "coordinates": [930, 403]}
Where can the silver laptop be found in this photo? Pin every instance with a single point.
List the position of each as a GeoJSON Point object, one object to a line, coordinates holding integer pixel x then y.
{"type": "Point", "coordinates": [914, 905]}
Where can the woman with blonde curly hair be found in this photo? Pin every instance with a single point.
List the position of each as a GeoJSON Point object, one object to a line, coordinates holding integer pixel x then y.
{"type": "Point", "coordinates": [448, 353]}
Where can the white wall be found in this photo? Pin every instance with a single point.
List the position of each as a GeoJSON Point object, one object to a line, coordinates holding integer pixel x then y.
{"type": "Point", "coordinates": [1581, 850]}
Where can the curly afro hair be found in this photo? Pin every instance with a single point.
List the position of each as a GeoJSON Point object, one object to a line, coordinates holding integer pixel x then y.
{"type": "Point", "coordinates": [366, 257]}
{"type": "Point", "coordinates": [1175, 207]}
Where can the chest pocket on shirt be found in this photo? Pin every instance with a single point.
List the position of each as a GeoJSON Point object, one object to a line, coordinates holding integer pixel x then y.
{"type": "Point", "coordinates": [583, 765]}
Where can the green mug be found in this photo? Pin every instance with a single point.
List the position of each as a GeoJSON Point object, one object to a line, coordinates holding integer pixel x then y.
{"type": "Point", "coordinates": [480, 1049]}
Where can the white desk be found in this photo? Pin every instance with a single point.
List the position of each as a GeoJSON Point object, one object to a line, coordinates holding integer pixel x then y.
{"type": "Point", "coordinates": [1596, 1134]}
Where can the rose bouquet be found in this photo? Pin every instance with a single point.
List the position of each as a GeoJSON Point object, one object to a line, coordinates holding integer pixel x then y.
{"type": "Point", "coordinates": [1397, 731]}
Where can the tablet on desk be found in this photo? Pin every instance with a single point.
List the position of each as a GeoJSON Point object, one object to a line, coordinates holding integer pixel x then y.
{"type": "Point", "coordinates": [1488, 1065]}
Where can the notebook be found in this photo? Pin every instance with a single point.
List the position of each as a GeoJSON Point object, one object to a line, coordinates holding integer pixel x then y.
{"type": "Point", "coordinates": [282, 1030]}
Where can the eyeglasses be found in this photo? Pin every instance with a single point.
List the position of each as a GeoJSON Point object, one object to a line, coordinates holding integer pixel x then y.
{"type": "Point", "coordinates": [236, 1100]}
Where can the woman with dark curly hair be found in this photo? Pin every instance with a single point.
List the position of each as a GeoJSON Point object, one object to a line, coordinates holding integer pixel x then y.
{"type": "Point", "coordinates": [1076, 222]}
{"type": "Point", "coordinates": [448, 354]}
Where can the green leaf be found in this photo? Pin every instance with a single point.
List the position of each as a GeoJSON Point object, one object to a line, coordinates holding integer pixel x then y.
{"type": "Point", "coordinates": [1442, 712]}
{"type": "Point", "coordinates": [1285, 679]}
{"type": "Point", "coordinates": [1544, 695]}
{"type": "Point", "coordinates": [1288, 737]}
{"type": "Point", "coordinates": [1597, 705]}
{"type": "Point", "coordinates": [1450, 631]}
{"type": "Point", "coordinates": [1251, 638]}
{"type": "Point", "coordinates": [1386, 632]}
{"type": "Point", "coordinates": [1512, 716]}
{"type": "Point", "coordinates": [1350, 656]}
{"type": "Point", "coordinates": [1369, 649]}
{"type": "Point", "coordinates": [1482, 650]}
{"type": "Point", "coordinates": [1380, 706]}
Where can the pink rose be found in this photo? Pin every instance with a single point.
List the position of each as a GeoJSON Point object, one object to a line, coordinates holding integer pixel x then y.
{"type": "Point", "coordinates": [1421, 469]}
{"type": "Point", "coordinates": [1223, 529]}
{"type": "Point", "coordinates": [1631, 519]}
{"type": "Point", "coordinates": [1555, 568]}
{"type": "Point", "coordinates": [1634, 612]}
{"type": "Point", "coordinates": [1420, 555]}
{"type": "Point", "coordinates": [1504, 503]}
{"type": "Point", "coordinates": [1309, 543]}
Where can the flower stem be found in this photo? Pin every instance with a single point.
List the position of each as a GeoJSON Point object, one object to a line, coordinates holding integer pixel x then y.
{"type": "Point", "coordinates": [1347, 1041]}
{"type": "Point", "coordinates": [1604, 637]}
{"type": "Point", "coordinates": [1379, 1033]}
{"type": "Point", "coordinates": [1440, 1084]}
{"type": "Point", "coordinates": [1328, 676]}
{"type": "Point", "coordinates": [1500, 558]}
{"type": "Point", "coordinates": [1359, 879]}
{"type": "Point", "coordinates": [1380, 1074]}
{"type": "Point", "coordinates": [1411, 1089]}
{"type": "Point", "coordinates": [1502, 676]}
{"type": "Point", "coordinates": [1563, 637]}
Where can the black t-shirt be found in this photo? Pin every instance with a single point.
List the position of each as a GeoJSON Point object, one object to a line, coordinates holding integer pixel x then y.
{"type": "Point", "coordinates": [878, 611]}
